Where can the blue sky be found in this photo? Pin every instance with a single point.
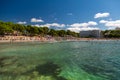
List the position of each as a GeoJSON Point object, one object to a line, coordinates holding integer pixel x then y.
{"type": "Point", "coordinates": [75, 15]}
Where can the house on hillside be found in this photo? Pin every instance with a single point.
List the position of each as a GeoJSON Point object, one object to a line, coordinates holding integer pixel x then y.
{"type": "Point", "coordinates": [90, 33]}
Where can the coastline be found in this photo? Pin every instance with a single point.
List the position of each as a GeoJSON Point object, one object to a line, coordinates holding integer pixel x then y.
{"type": "Point", "coordinates": [12, 39]}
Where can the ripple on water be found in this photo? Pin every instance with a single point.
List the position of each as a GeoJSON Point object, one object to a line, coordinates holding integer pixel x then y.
{"type": "Point", "coordinates": [94, 60]}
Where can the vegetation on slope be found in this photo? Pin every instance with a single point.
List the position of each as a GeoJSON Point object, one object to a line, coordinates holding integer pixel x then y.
{"type": "Point", "coordinates": [9, 28]}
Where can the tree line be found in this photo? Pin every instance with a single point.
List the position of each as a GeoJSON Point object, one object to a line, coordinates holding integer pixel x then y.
{"type": "Point", "coordinates": [9, 28]}
{"type": "Point", "coordinates": [111, 33]}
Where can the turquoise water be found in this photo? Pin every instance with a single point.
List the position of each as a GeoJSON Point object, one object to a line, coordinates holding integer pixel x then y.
{"type": "Point", "coordinates": [85, 60]}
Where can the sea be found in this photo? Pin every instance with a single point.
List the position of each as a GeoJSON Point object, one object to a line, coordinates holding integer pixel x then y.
{"type": "Point", "coordinates": [65, 60]}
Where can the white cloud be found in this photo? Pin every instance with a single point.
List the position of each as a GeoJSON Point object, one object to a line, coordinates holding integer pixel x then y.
{"type": "Point", "coordinates": [20, 22]}
{"type": "Point", "coordinates": [55, 25]}
{"type": "Point", "coordinates": [36, 20]}
{"type": "Point", "coordinates": [111, 24]}
{"type": "Point", "coordinates": [77, 27]}
{"type": "Point", "coordinates": [101, 15]}
{"type": "Point", "coordinates": [103, 21]}
{"type": "Point", "coordinates": [90, 23]}
{"type": "Point", "coordinates": [37, 25]}
{"type": "Point", "coordinates": [50, 25]}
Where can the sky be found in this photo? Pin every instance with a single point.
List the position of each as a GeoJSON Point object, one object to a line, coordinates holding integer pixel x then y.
{"type": "Point", "coordinates": [74, 15]}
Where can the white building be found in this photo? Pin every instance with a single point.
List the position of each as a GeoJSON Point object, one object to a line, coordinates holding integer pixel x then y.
{"type": "Point", "coordinates": [91, 33]}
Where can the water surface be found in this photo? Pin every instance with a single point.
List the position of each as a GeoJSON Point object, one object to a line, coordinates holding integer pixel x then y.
{"type": "Point", "coordinates": [85, 60]}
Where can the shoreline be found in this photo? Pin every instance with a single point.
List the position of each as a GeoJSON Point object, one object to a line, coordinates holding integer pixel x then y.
{"type": "Point", "coordinates": [14, 39]}
{"type": "Point", "coordinates": [19, 41]}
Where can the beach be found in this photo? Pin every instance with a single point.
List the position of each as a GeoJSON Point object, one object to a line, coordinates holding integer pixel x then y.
{"type": "Point", "coordinates": [25, 39]}
{"type": "Point", "coordinates": [48, 39]}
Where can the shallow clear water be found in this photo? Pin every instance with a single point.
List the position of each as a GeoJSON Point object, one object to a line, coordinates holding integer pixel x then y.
{"type": "Point", "coordinates": [85, 60]}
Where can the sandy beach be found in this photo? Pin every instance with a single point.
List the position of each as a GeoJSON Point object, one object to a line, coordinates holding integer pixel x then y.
{"type": "Point", "coordinates": [48, 39]}
{"type": "Point", "coordinates": [24, 39]}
